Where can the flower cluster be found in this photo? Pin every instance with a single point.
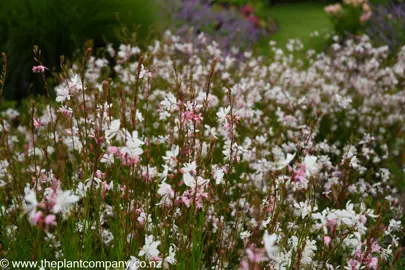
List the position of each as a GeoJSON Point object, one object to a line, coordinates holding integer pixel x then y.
{"type": "Point", "coordinates": [193, 159]}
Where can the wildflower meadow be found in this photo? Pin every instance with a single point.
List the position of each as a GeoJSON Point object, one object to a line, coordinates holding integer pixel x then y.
{"type": "Point", "coordinates": [194, 156]}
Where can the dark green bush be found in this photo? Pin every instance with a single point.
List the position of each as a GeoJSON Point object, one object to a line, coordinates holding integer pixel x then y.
{"type": "Point", "coordinates": [59, 27]}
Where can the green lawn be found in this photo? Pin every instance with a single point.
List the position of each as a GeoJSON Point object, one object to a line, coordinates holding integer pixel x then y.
{"type": "Point", "coordinates": [297, 20]}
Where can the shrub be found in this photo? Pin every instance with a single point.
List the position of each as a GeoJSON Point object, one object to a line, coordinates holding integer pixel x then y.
{"type": "Point", "coordinates": [59, 28]}
{"type": "Point", "coordinates": [229, 25]}
{"type": "Point", "coordinates": [386, 25]}
{"type": "Point", "coordinates": [349, 18]}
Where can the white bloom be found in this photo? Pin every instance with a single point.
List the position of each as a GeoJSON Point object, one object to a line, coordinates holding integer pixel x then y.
{"type": "Point", "coordinates": [171, 258]}
{"type": "Point", "coordinates": [63, 201]}
{"type": "Point", "coordinates": [31, 202]}
{"type": "Point", "coordinates": [165, 190]}
{"type": "Point", "coordinates": [270, 245]}
{"type": "Point", "coordinates": [310, 164]}
{"type": "Point", "coordinates": [139, 116]}
{"type": "Point", "coordinates": [62, 93]}
{"type": "Point", "coordinates": [219, 176]}
{"type": "Point", "coordinates": [133, 263]}
{"type": "Point", "coordinates": [133, 145]}
{"type": "Point", "coordinates": [281, 164]}
{"type": "Point", "coordinates": [149, 250]}
{"type": "Point", "coordinates": [172, 154]}
{"type": "Point", "coordinates": [304, 208]}
{"type": "Point", "coordinates": [107, 158]}
{"type": "Point", "coordinates": [223, 112]}
{"type": "Point", "coordinates": [112, 130]}
{"type": "Point", "coordinates": [107, 236]}
{"type": "Point", "coordinates": [193, 182]}
{"type": "Point", "coordinates": [245, 235]}
{"type": "Point", "coordinates": [163, 175]}
{"type": "Point", "coordinates": [190, 167]}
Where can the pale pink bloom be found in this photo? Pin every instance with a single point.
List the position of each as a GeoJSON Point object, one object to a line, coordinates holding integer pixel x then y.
{"type": "Point", "coordinates": [256, 255]}
{"type": "Point", "coordinates": [99, 174]}
{"type": "Point", "coordinates": [66, 111]}
{"type": "Point", "coordinates": [50, 220]}
{"type": "Point", "coordinates": [373, 263]}
{"type": "Point", "coordinates": [105, 187]}
{"type": "Point", "coordinates": [333, 9]}
{"type": "Point", "coordinates": [327, 240]}
{"type": "Point", "coordinates": [39, 69]}
{"type": "Point", "coordinates": [36, 218]}
{"type": "Point", "coordinates": [165, 190]}
{"type": "Point", "coordinates": [113, 149]}
{"type": "Point", "coordinates": [38, 123]}
{"type": "Point", "coordinates": [365, 16]}
{"type": "Point", "coordinates": [141, 219]}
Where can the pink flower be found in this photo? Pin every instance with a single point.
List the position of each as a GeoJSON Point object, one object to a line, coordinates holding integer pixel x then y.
{"type": "Point", "coordinates": [326, 240]}
{"type": "Point", "coordinates": [36, 218]}
{"type": "Point", "coordinates": [112, 149]}
{"type": "Point", "coordinates": [373, 263]}
{"type": "Point", "coordinates": [38, 123]}
{"type": "Point", "coordinates": [99, 174]}
{"type": "Point", "coordinates": [247, 10]}
{"type": "Point", "coordinates": [50, 220]}
{"type": "Point", "coordinates": [39, 69]}
{"type": "Point", "coordinates": [256, 255]}
{"type": "Point", "coordinates": [66, 111]}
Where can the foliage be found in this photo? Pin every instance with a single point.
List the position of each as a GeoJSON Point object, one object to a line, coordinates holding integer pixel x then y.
{"type": "Point", "coordinates": [59, 28]}
{"type": "Point", "coordinates": [387, 23]}
{"type": "Point", "coordinates": [305, 21]}
{"type": "Point", "coordinates": [349, 18]}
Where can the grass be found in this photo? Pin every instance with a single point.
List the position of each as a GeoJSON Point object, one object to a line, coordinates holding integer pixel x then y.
{"type": "Point", "coordinates": [297, 20]}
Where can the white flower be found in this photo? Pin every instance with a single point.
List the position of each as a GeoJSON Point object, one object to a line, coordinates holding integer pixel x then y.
{"type": "Point", "coordinates": [63, 201]}
{"type": "Point", "coordinates": [192, 182]}
{"type": "Point", "coordinates": [139, 116]}
{"type": "Point", "coordinates": [304, 208]}
{"type": "Point", "coordinates": [107, 158]}
{"type": "Point", "coordinates": [133, 145]}
{"type": "Point", "coordinates": [172, 154]}
{"type": "Point", "coordinates": [11, 113]}
{"type": "Point", "coordinates": [165, 190]}
{"type": "Point", "coordinates": [190, 167]}
{"type": "Point", "coordinates": [31, 202]}
{"type": "Point", "coordinates": [76, 83]}
{"type": "Point", "coordinates": [270, 245]}
{"type": "Point", "coordinates": [107, 236]}
{"type": "Point", "coordinates": [281, 164]}
{"type": "Point", "coordinates": [149, 250]}
{"type": "Point", "coordinates": [163, 175]}
{"type": "Point", "coordinates": [171, 258]}
{"type": "Point", "coordinates": [169, 103]}
{"type": "Point", "coordinates": [245, 235]}
{"type": "Point", "coordinates": [112, 130]}
{"type": "Point", "coordinates": [223, 112]}
{"type": "Point", "coordinates": [218, 176]}
{"type": "Point", "coordinates": [310, 164]}
{"type": "Point", "coordinates": [62, 93]}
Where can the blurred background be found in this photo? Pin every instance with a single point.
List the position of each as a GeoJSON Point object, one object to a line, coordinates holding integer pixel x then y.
{"type": "Point", "coordinates": [67, 27]}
